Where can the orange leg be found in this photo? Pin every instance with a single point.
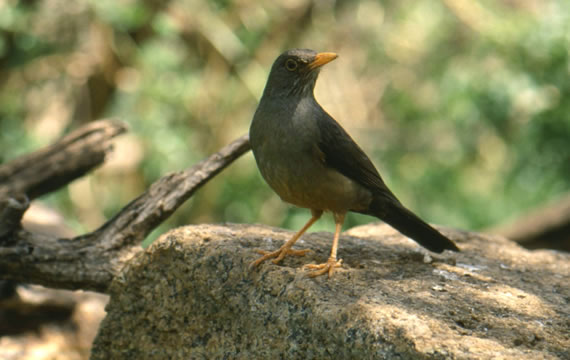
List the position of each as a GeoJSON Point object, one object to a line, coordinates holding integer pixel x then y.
{"type": "Point", "coordinates": [332, 262]}
{"type": "Point", "coordinates": [285, 250]}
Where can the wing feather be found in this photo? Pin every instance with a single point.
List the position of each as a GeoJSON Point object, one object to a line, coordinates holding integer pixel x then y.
{"type": "Point", "coordinates": [343, 154]}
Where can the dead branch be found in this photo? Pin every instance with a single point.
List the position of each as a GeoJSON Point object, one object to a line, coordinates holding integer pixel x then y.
{"type": "Point", "coordinates": [12, 210]}
{"type": "Point", "coordinates": [547, 227]}
{"type": "Point", "coordinates": [92, 260]}
{"type": "Point", "coordinates": [57, 165]}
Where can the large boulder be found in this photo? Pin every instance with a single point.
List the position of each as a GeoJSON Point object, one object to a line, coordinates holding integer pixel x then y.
{"type": "Point", "coordinates": [192, 295]}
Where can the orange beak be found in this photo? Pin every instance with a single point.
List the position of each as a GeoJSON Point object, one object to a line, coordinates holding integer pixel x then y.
{"type": "Point", "coordinates": [321, 59]}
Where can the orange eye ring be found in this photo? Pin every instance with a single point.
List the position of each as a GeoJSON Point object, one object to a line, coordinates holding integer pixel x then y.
{"type": "Point", "coordinates": [291, 65]}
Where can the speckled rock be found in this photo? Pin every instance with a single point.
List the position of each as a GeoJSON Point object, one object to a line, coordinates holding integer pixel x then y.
{"type": "Point", "coordinates": [192, 295]}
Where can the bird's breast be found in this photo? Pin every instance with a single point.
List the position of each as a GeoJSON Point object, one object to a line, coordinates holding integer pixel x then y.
{"type": "Point", "coordinates": [290, 162]}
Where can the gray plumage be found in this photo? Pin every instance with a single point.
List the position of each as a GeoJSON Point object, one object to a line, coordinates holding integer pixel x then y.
{"type": "Point", "coordinates": [310, 161]}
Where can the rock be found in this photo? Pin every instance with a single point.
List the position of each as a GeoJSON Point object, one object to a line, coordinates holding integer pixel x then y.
{"type": "Point", "coordinates": [192, 295]}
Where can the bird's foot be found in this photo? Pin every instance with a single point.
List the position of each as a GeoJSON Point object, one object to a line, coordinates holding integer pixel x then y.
{"type": "Point", "coordinates": [278, 254]}
{"type": "Point", "coordinates": [322, 269]}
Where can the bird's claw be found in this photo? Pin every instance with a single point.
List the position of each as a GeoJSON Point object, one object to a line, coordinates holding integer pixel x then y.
{"type": "Point", "coordinates": [278, 254]}
{"type": "Point", "coordinates": [324, 268]}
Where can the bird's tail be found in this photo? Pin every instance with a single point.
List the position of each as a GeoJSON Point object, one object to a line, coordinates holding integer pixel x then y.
{"type": "Point", "coordinates": [395, 214]}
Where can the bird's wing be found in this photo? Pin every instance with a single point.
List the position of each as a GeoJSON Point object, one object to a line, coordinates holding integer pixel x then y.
{"type": "Point", "coordinates": [341, 153]}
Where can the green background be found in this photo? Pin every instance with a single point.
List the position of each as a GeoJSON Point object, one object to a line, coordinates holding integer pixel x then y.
{"type": "Point", "coordinates": [464, 106]}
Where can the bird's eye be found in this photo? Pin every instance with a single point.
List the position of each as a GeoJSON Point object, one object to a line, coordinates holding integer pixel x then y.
{"type": "Point", "coordinates": [291, 65]}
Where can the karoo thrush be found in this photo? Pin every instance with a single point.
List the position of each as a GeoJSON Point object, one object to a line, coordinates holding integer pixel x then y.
{"type": "Point", "coordinates": [310, 161]}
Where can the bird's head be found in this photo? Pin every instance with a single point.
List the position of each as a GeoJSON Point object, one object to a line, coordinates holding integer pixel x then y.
{"type": "Point", "coordinates": [295, 72]}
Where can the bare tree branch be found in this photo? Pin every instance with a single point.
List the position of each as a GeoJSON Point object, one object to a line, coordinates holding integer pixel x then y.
{"type": "Point", "coordinates": [142, 215]}
{"type": "Point", "coordinates": [57, 165]}
{"type": "Point", "coordinates": [12, 210]}
{"type": "Point", "coordinates": [91, 261]}
{"type": "Point", "coordinates": [545, 227]}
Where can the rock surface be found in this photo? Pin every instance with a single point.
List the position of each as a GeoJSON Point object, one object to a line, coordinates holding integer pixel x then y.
{"type": "Point", "coordinates": [191, 295]}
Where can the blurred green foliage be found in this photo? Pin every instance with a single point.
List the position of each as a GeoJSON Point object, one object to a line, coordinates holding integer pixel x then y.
{"type": "Point", "coordinates": [464, 106]}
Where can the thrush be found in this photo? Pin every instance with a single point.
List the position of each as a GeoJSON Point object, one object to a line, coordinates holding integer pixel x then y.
{"type": "Point", "coordinates": [310, 161]}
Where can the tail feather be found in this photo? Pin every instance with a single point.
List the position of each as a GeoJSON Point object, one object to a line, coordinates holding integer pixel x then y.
{"type": "Point", "coordinates": [409, 224]}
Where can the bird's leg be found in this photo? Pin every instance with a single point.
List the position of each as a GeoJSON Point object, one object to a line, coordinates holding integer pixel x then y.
{"type": "Point", "coordinates": [285, 250]}
{"type": "Point", "coordinates": [332, 262]}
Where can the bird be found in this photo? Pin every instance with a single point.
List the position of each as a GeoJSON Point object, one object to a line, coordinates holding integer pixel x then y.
{"type": "Point", "coordinates": [310, 161]}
